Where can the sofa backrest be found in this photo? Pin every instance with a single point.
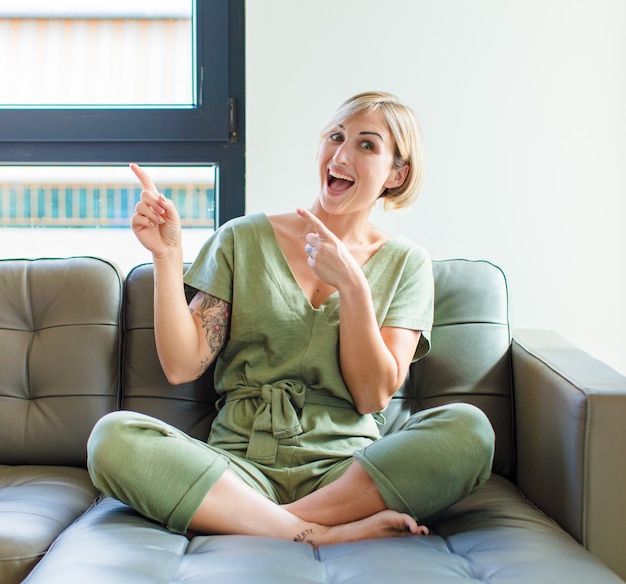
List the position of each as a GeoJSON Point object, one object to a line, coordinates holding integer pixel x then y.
{"type": "Point", "coordinates": [469, 360]}
{"type": "Point", "coordinates": [145, 389]}
{"type": "Point", "coordinates": [470, 356]}
{"type": "Point", "coordinates": [60, 340]}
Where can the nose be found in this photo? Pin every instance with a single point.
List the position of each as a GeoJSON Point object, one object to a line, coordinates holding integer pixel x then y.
{"type": "Point", "coordinates": [340, 156]}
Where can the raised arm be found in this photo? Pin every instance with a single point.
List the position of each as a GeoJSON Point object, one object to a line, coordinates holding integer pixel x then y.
{"type": "Point", "coordinates": [374, 361]}
{"type": "Point", "coordinates": [187, 337]}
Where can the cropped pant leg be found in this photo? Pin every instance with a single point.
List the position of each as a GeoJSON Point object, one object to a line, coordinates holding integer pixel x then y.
{"type": "Point", "coordinates": [158, 470]}
{"type": "Point", "coordinates": [437, 458]}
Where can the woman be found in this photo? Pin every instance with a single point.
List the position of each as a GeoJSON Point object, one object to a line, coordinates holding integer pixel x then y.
{"type": "Point", "coordinates": [314, 317]}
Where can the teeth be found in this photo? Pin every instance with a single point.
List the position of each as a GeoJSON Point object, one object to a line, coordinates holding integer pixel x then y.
{"type": "Point", "coordinates": [341, 176]}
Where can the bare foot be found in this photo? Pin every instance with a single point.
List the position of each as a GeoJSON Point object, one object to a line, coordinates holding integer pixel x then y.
{"type": "Point", "coordinates": [386, 523]}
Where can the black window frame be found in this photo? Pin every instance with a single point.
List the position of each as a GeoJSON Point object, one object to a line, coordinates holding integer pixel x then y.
{"type": "Point", "coordinates": [212, 132]}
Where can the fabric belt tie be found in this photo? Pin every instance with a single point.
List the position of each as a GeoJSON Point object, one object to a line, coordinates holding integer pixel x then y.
{"type": "Point", "coordinates": [275, 417]}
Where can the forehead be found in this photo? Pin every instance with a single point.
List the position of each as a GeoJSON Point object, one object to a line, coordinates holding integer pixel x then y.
{"type": "Point", "coordinates": [371, 120]}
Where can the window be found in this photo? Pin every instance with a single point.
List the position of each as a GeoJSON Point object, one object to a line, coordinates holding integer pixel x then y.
{"type": "Point", "coordinates": [91, 54]}
{"type": "Point", "coordinates": [168, 94]}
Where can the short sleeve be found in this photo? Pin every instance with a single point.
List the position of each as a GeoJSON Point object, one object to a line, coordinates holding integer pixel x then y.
{"type": "Point", "coordinates": [413, 301]}
{"type": "Point", "coordinates": [212, 270]}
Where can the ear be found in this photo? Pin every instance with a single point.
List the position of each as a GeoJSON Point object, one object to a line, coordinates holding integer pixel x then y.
{"type": "Point", "coordinates": [397, 177]}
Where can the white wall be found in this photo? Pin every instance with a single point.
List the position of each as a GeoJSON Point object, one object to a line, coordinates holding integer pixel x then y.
{"type": "Point", "coordinates": [523, 108]}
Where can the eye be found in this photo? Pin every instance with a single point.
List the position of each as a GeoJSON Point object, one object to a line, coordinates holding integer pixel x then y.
{"type": "Point", "coordinates": [367, 145]}
{"type": "Point", "coordinates": [336, 137]}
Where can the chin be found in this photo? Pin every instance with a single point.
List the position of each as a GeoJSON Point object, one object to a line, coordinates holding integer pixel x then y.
{"type": "Point", "coordinates": [330, 203]}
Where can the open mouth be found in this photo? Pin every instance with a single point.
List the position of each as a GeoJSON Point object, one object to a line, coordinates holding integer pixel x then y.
{"type": "Point", "coordinates": [338, 182]}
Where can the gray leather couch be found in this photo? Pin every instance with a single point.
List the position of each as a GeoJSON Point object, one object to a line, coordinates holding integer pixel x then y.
{"type": "Point", "coordinates": [76, 341]}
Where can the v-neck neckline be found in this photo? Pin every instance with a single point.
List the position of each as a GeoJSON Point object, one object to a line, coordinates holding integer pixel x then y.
{"type": "Point", "coordinates": [295, 281]}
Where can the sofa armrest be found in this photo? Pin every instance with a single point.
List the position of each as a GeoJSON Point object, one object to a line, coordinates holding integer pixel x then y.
{"type": "Point", "coordinates": [570, 412]}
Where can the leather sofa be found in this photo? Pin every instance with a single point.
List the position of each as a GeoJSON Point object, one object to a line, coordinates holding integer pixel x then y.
{"type": "Point", "coordinates": [76, 342]}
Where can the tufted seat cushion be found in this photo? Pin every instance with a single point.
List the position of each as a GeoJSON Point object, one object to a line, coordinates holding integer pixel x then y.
{"type": "Point", "coordinates": [36, 504]}
{"type": "Point", "coordinates": [494, 536]}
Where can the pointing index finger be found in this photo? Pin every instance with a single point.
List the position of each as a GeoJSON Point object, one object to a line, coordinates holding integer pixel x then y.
{"type": "Point", "coordinates": [143, 177]}
{"type": "Point", "coordinates": [314, 222]}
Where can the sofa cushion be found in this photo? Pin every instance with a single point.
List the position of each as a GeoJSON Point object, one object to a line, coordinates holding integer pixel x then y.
{"type": "Point", "coordinates": [469, 360]}
{"type": "Point", "coordinates": [36, 504]}
{"type": "Point", "coordinates": [189, 406]}
{"type": "Point", "coordinates": [494, 536]}
{"type": "Point", "coordinates": [59, 356]}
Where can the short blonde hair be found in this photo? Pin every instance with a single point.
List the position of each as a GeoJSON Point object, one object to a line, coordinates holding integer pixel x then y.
{"type": "Point", "coordinates": [407, 136]}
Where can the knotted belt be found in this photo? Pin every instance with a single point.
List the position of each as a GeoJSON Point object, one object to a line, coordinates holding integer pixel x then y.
{"type": "Point", "coordinates": [275, 417]}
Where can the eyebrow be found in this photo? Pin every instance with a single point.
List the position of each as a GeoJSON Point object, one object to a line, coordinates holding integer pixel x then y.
{"type": "Point", "coordinates": [364, 133]}
{"type": "Point", "coordinates": [371, 134]}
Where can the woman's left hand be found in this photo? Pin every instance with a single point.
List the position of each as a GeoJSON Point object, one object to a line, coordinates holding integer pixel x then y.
{"type": "Point", "coordinates": [327, 255]}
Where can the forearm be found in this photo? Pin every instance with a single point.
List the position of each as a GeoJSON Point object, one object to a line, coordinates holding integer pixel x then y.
{"type": "Point", "coordinates": [175, 331]}
{"type": "Point", "coordinates": [370, 369]}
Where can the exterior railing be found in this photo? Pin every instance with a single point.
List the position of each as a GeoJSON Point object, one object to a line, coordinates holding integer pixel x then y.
{"type": "Point", "coordinates": [75, 205]}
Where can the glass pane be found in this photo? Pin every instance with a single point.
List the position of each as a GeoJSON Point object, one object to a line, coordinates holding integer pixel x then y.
{"type": "Point", "coordinates": [101, 53]}
{"type": "Point", "coordinates": [99, 196]}
{"type": "Point", "coordinates": [39, 203]}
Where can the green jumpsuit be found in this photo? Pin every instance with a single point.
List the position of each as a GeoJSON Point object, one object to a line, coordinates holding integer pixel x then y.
{"type": "Point", "coordinates": [287, 422]}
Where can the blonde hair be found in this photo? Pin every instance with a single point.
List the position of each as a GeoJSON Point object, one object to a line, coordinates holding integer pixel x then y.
{"type": "Point", "coordinates": [407, 136]}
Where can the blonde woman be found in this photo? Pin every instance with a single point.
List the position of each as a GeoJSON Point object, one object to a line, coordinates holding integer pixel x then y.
{"type": "Point", "coordinates": [314, 317]}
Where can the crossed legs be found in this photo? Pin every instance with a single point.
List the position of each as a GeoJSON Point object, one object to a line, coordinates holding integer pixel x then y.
{"type": "Point", "coordinates": [348, 509]}
{"type": "Point", "coordinates": [169, 477]}
{"type": "Point", "coordinates": [440, 456]}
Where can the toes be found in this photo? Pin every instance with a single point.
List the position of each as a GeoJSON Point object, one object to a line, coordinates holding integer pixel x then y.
{"type": "Point", "coordinates": [415, 528]}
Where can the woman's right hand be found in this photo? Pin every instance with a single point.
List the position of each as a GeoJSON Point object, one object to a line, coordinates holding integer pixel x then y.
{"type": "Point", "coordinates": [156, 221]}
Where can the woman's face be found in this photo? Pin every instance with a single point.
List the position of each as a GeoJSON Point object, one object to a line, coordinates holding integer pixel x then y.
{"type": "Point", "coordinates": [356, 164]}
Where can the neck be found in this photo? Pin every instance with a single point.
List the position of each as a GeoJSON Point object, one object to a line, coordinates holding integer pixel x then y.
{"type": "Point", "coordinates": [352, 229]}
